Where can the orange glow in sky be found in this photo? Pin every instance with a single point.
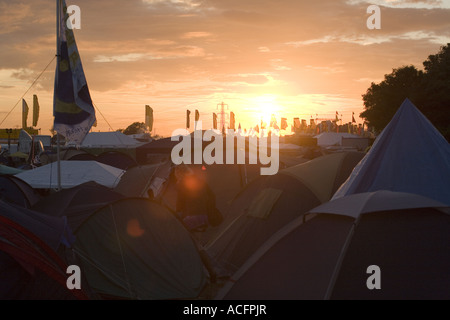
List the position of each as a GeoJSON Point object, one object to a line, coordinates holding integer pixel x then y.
{"type": "Point", "coordinates": [291, 58]}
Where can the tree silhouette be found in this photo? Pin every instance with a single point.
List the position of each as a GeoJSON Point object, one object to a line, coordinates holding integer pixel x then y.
{"type": "Point", "coordinates": [429, 90]}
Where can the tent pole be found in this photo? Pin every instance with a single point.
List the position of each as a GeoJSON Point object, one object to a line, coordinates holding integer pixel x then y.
{"type": "Point", "coordinates": [58, 49]}
{"type": "Point", "coordinates": [337, 268]}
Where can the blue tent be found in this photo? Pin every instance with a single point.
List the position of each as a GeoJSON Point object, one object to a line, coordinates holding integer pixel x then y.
{"type": "Point", "coordinates": [410, 155]}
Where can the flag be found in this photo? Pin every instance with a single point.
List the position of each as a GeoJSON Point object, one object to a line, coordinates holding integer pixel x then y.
{"type": "Point", "coordinates": [263, 124]}
{"type": "Point", "coordinates": [232, 121]}
{"type": "Point", "coordinates": [73, 109]}
{"type": "Point", "coordinates": [149, 118]}
{"type": "Point", "coordinates": [25, 110]}
{"type": "Point", "coordinates": [35, 110]}
{"type": "Point", "coordinates": [273, 121]}
{"type": "Point", "coordinates": [353, 118]}
{"type": "Point", "coordinates": [284, 123]}
{"type": "Point", "coordinates": [337, 116]}
{"type": "Point", "coordinates": [188, 119]}
{"type": "Point", "coordinates": [214, 121]}
{"type": "Point", "coordinates": [197, 115]}
{"type": "Point", "coordinates": [304, 124]}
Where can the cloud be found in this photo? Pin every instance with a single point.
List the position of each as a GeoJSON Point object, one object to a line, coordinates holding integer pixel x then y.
{"type": "Point", "coordinates": [174, 52]}
{"type": "Point", "coordinates": [415, 4]}
{"type": "Point", "coordinates": [250, 79]}
{"type": "Point", "coordinates": [195, 35]}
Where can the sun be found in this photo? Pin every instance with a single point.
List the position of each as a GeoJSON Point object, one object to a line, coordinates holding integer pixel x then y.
{"type": "Point", "coordinates": [267, 107]}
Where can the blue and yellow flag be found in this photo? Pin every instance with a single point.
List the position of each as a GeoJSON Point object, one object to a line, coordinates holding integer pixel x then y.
{"type": "Point", "coordinates": [73, 109]}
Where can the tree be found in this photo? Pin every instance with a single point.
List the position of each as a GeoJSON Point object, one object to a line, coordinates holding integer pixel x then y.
{"type": "Point", "coordinates": [435, 101]}
{"type": "Point", "coordinates": [134, 128]}
{"type": "Point", "coordinates": [429, 90]}
{"type": "Point", "coordinates": [382, 100]}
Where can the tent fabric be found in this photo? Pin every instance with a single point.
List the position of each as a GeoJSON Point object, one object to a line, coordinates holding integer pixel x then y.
{"type": "Point", "coordinates": [137, 249]}
{"type": "Point", "coordinates": [137, 180]}
{"type": "Point", "coordinates": [77, 203]}
{"type": "Point", "coordinates": [73, 173]}
{"type": "Point", "coordinates": [116, 160]}
{"type": "Point", "coordinates": [410, 155]}
{"type": "Point", "coordinates": [108, 139]}
{"type": "Point", "coordinates": [325, 174]}
{"type": "Point", "coordinates": [382, 200]}
{"type": "Point", "coordinates": [29, 269]}
{"type": "Point", "coordinates": [54, 231]}
{"type": "Point", "coordinates": [242, 234]}
{"type": "Point", "coordinates": [9, 170]}
{"type": "Point", "coordinates": [17, 191]}
{"type": "Point", "coordinates": [327, 139]}
{"type": "Point", "coordinates": [411, 247]}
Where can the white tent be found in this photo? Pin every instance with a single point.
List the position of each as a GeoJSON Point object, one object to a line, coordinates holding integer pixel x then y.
{"type": "Point", "coordinates": [410, 155]}
{"type": "Point", "coordinates": [73, 173]}
{"type": "Point", "coordinates": [327, 139]}
{"type": "Point", "coordinates": [109, 140]}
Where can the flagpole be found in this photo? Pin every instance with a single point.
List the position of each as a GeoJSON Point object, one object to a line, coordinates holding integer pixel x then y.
{"type": "Point", "coordinates": [58, 57]}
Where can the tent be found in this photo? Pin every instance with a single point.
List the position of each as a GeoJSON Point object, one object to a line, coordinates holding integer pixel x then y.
{"type": "Point", "coordinates": [30, 264]}
{"type": "Point", "coordinates": [410, 248]}
{"type": "Point", "coordinates": [73, 173]}
{"type": "Point", "coordinates": [116, 159]}
{"type": "Point", "coordinates": [136, 249]}
{"type": "Point", "coordinates": [17, 191]}
{"type": "Point", "coordinates": [410, 155]}
{"type": "Point", "coordinates": [137, 180]}
{"type": "Point", "coordinates": [327, 139]}
{"type": "Point", "coordinates": [155, 150]}
{"type": "Point", "coordinates": [109, 139]}
{"type": "Point", "coordinates": [267, 205]}
{"type": "Point", "coordinates": [77, 203]}
{"type": "Point", "coordinates": [9, 170]}
{"type": "Point", "coordinates": [29, 268]}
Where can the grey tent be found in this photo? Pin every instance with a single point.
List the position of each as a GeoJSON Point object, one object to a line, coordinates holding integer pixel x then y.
{"type": "Point", "coordinates": [410, 155]}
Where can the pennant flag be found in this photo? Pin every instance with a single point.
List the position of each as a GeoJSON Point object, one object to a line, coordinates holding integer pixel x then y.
{"type": "Point", "coordinates": [73, 109]}
{"type": "Point", "coordinates": [214, 121]}
{"type": "Point", "coordinates": [188, 119]}
{"type": "Point", "coordinates": [273, 121]}
{"type": "Point", "coordinates": [232, 121]}
{"type": "Point", "coordinates": [25, 110]}
{"type": "Point", "coordinates": [304, 124]}
{"type": "Point", "coordinates": [263, 124]}
{"type": "Point", "coordinates": [353, 118]}
{"type": "Point", "coordinates": [35, 110]}
{"type": "Point", "coordinates": [284, 123]}
{"type": "Point", "coordinates": [197, 115]}
{"type": "Point", "coordinates": [149, 118]}
{"type": "Point", "coordinates": [337, 116]}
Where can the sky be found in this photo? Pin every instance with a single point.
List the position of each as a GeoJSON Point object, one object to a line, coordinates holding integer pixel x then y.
{"type": "Point", "coordinates": [291, 58]}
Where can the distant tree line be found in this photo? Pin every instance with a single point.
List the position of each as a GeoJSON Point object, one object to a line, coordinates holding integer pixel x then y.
{"type": "Point", "coordinates": [429, 90]}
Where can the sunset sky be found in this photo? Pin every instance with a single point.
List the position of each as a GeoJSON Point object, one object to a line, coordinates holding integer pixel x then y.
{"type": "Point", "coordinates": [294, 58]}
